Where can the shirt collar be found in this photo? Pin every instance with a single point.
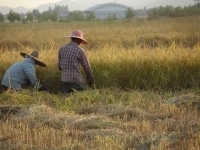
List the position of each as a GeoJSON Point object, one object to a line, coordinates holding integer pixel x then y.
{"type": "Point", "coordinates": [31, 60]}
{"type": "Point", "coordinates": [73, 43]}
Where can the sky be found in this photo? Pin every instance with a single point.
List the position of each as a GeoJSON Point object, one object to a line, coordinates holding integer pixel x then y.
{"type": "Point", "coordinates": [132, 3]}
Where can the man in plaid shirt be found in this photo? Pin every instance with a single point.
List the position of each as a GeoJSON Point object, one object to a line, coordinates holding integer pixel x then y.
{"type": "Point", "coordinates": [70, 57]}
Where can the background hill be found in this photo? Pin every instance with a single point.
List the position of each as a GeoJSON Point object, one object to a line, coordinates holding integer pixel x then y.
{"type": "Point", "coordinates": [72, 5]}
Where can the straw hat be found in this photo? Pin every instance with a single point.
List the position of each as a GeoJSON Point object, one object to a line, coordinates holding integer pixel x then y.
{"type": "Point", "coordinates": [35, 56]}
{"type": "Point", "coordinates": [78, 34]}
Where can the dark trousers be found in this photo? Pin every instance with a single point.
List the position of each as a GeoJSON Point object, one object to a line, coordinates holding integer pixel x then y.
{"type": "Point", "coordinates": [69, 87]}
{"type": "Point", "coordinates": [5, 88]}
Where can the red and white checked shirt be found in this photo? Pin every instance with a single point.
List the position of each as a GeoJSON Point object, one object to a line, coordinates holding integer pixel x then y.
{"type": "Point", "coordinates": [70, 57]}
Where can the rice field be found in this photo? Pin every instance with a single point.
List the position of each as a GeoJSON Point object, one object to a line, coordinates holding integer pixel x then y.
{"type": "Point", "coordinates": [147, 98]}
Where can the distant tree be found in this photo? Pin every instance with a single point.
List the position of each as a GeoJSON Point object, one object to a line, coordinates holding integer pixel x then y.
{"type": "Point", "coordinates": [45, 16]}
{"type": "Point", "coordinates": [195, 10]}
{"type": "Point", "coordinates": [61, 9]}
{"type": "Point", "coordinates": [164, 11]}
{"type": "Point", "coordinates": [12, 16]}
{"type": "Point", "coordinates": [169, 11]}
{"type": "Point", "coordinates": [48, 15]}
{"type": "Point", "coordinates": [178, 11]}
{"type": "Point", "coordinates": [161, 11]}
{"type": "Point", "coordinates": [153, 14]}
{"type": "Point", "coordinates": [90, 16]}
{"type": "Point", "coordinates": [130, 13]}
{"type": "Point", "coordinates": [1, 17]}
{"type": "Point", "coordinates": [29, 16]}
{"type": "Point", "coordinates": [35, 13]}
{"type": "Point", "coordinates": [54, 16]}
{"type": "Point", "coordinates": [77, 16]}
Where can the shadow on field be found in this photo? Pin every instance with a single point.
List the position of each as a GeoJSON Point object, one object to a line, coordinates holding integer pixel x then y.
{"type": "Point", "coordinates": [52, 86]}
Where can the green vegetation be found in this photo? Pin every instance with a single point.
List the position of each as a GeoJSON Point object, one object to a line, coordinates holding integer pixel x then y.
{"type": "Point", "coordinates": [147, 75]}
{"type": "Point", "coordinates": [63, 14]}
{"type": "Point", "coordinates": [158, 54]}
{"type": "Point", "coordinates": [1, 17]}
{"type": "Point", "coordinates": [130, 13]}
{"type": "Point", "coordinates": [170, 11]}
{"type": "Point", "coordinates": [13, 16]}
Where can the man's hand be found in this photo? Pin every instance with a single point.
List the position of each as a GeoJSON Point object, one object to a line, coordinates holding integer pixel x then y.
{"type": "Point", "coordinates": [91, 84]}
{"type": "Point", "coordinates": [42, 89]}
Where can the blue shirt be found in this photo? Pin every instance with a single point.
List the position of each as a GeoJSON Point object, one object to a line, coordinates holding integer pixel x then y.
{"type": "Point", "coordinates": [20, 74]}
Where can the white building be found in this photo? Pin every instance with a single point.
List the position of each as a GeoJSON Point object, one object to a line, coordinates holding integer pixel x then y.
{"type": "Point", "coordinates": [105, 10]}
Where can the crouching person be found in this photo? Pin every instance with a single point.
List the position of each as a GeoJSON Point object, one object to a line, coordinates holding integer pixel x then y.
{"type": "Point", "coordinates": [23, 73]}
{"type": "Point", "coordinates": [70, 58]}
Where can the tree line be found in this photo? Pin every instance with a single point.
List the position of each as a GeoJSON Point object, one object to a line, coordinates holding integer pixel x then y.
{"type": "Point", "coordinates": [170, 11]}
{"type": "Point", "coordinates": [62, 13]}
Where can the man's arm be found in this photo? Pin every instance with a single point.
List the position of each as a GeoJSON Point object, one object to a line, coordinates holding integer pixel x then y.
{"type": "Point", "coordinates": [31, 75]}
{"type": "Point", "coordinates": [86, 65]}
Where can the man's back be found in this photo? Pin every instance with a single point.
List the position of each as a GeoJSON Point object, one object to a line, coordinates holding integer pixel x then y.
{"type": "Point", "coordinates": [70, 57]}
{"type": "Point", "coordinates": [17, 74]}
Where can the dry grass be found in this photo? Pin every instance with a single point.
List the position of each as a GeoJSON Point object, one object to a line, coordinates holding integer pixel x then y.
{"type": "Point", "coordinates": [159, 56]}
{"type": "Point", "coordinates": [100, 119]}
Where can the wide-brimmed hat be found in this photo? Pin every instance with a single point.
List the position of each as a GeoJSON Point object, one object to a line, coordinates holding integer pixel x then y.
{"type": "Point", "coordinates": [35, 56]}
{"type": "Point", "coordinates": [78, 34]}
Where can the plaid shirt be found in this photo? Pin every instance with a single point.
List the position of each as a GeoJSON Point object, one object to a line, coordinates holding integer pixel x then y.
{"type": "Point", "coordinates": [70, 57]}
{"type": "Point", "coordinates": [20, 74]}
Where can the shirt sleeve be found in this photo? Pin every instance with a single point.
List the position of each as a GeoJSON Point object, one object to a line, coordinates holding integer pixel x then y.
{"type": "Point", "coordinates": [59, 57]}
{"type": "Point", "coordinates": [30, 73]}
{"type": "Point", "coordinates": [86, 65]}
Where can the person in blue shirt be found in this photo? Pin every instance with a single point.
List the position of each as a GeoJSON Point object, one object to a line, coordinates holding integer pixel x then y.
{"type": "Point", "coordinates": [22, 73]}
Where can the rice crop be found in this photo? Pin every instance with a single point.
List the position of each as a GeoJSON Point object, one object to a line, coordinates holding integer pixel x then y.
{"type": "Point", "coordinates": [147, 97]}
